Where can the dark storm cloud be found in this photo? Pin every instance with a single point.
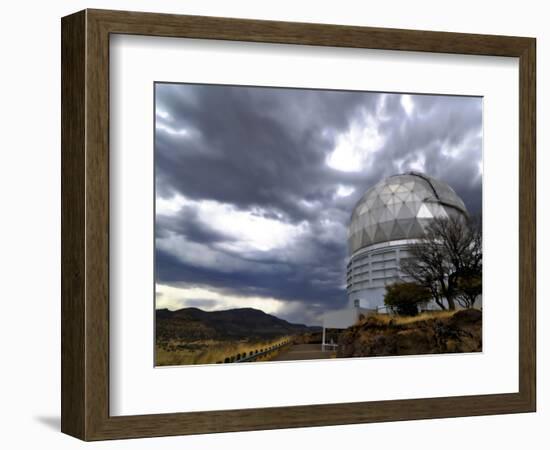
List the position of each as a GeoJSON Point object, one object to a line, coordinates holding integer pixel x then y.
{"type": "Point", "coordinates": [247, 143]}
{"type": "Point", "coordinates": [191, 227]}
{"type": "Point", "coordinates": [440, 126]}
{"type": "Point", "coordinates": [264, 151]}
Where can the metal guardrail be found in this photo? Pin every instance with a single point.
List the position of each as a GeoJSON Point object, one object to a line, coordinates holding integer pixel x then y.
{"type": "Point", "coordinates": [254, 354]}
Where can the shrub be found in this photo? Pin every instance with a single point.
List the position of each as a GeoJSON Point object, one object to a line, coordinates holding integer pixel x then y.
{"type": "Point", "coordinates": [403, 298]}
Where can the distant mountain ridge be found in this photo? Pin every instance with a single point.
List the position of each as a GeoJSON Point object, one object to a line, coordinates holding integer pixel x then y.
{"type": "Point", "coordinates": [242, 323]}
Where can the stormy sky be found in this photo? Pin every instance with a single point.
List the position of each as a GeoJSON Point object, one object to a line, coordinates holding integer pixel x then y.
{"type": "Point", "coordinates": [255, 186]}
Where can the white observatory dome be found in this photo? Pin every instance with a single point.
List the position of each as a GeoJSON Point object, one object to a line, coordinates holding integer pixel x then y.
{"type": "Point", "coordinates": [400, 207]}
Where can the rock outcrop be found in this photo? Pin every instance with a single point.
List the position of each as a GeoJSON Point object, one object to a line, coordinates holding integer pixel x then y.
{"type": "Point", "coordinates": [376, 336]}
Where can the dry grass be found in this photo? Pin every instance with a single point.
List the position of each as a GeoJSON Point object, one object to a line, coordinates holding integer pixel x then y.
{"type": "Point", "coordinates": [209, 352]}
{"type": "Point", "coordinates": [405, 320]}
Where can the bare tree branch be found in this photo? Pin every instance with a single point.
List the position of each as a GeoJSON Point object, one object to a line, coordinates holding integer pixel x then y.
{"type": "Point", "coordinates": [448, 261]}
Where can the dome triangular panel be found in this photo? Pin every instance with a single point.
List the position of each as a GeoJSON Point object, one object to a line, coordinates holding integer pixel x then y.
{"type": "Point", "coordinates": [401, 206]}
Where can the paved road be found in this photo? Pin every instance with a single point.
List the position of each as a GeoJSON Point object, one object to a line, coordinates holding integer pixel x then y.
{"type": "Point", "coordinates": [302, 352]}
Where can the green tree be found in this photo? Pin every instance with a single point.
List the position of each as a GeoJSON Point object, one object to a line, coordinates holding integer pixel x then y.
{"type": "Point", "coordinates": [469, 287]}
{"type": "Point", "coordinates": [404, 297]}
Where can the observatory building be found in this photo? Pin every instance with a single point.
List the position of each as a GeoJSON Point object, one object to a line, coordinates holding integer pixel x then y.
{"type": "Point", "coordinates": [389, 218]}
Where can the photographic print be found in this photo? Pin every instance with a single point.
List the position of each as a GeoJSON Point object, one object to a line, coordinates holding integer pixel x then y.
{"type": "Point", "coordinates": [298, 224]}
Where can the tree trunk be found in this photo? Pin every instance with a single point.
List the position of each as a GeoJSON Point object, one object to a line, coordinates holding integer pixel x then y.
{"type": "Point", "coordinates": [437, 298]}
{"type": "Point", "coordinates": [439, 303]}
{"type": "Point", "coordinates": [451, 302]}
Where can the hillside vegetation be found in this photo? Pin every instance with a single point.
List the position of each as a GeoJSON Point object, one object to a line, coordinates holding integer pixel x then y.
{"type": "Point", "coordinates": [210, 352]}
{"type": "Point", "coordinates": [428, 333]}
{"type": "Point", "coordinates": [194, 336]}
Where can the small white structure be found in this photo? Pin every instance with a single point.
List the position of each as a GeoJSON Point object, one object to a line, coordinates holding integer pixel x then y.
{"type": "Point", "coordinates": [341, 319]}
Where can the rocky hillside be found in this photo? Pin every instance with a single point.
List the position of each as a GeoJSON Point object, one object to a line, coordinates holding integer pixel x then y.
{"type": "Point", "coordinates": [193, 324]}
{"type": "Point", "coordinates": [381, 336]}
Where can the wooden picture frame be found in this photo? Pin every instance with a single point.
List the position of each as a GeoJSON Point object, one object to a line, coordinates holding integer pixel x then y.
{"type": "Point", "coordinates": [85, 224]}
